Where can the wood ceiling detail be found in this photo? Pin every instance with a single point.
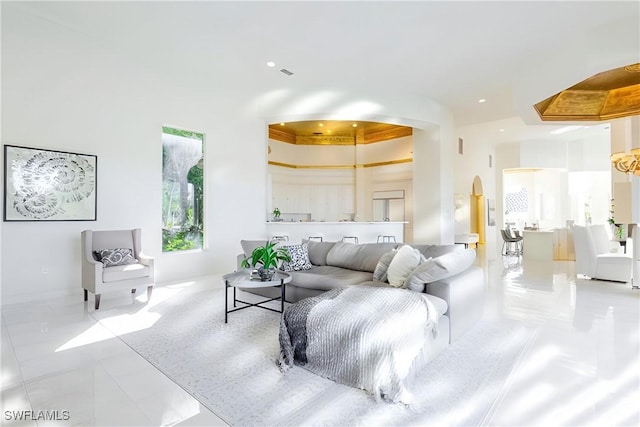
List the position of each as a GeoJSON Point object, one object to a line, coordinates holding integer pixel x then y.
{"type": "Point", "coordinates": [336, 132]}
{"type": "Point", "coordinates": [608, 95]}
{"type": "Point", "coordinates": [365, 165]}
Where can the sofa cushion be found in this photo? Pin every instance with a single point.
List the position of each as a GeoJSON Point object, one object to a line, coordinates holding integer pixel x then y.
{"type": "Point", "coordinates": [124, 272]}
{"type": "Point", "coordinates": [440, 304]}
{"type": "Point", "coordinates": [299, 255]}
{"type": "Point", "coordinates": [402, 264]}
{"type": "Point", "coordinates": [439, 268]}
{"type": "Point", "coordinates": [327, 277]}
{"type": "Point", "coordinates": [249, 245]}
{"type": "Point", "coordinates": [318, 251]}
{"type": "Point", "coordinates": [380, 272]}
{"type": "Point", "coordinates": [363, 257]}
{"type": "Point", "coordinates": [434, 251]}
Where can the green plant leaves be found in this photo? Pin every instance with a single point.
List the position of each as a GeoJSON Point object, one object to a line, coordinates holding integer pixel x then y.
{"type": "Point", "coordinates": [268, 256]}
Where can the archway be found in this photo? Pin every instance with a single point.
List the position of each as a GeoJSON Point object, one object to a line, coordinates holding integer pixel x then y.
{"type": "Point", "coordinates": [476, 210]}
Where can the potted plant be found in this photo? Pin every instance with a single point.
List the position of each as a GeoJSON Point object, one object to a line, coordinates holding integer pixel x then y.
{"type": "Point", "coordinates": [266, 259]}
{"type": "Point", "coordinates": [617, 230]}
{"type": "Point", "coordinates": [276, 214]}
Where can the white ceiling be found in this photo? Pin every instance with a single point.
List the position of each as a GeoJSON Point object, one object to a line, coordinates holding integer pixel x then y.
{"type": "Point", "coordinates": [513, 54]}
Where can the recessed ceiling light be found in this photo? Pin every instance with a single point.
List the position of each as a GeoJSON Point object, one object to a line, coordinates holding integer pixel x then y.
{"type": "Point", "coordinates": [320, 124]}
{"type": "Point", "coordinates": [281, 124]}
{"type": "Point", "coordinates": [482, 100]}
{"type": "Point", "coordinates": [355, 125]}
{"type": "Point", "coordinates": [501, 130]}
{"type": "Point", "coordinates": [271, 64]}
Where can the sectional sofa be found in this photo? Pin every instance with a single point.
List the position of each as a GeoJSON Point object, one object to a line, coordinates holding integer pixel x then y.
{"type": "Point", "coordinates": [446, 275]}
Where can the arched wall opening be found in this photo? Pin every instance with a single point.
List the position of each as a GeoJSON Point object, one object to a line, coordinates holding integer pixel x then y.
{"type": "Point", "coordinates": [476, 210]}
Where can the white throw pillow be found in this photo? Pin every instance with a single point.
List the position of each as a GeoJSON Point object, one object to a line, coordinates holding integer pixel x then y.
{"type": "Point", "coordinates": [405, 261]}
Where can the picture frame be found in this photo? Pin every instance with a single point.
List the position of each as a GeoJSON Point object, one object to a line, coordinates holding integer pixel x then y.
{"type": "Point", "coordinates": [49, 185]}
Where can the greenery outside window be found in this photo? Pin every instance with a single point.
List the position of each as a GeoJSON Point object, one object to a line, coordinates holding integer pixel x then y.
{"type": "Point", "coordinates": [182, 190]}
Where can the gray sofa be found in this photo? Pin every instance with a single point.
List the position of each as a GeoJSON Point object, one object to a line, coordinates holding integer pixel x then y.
{"type": "Point", "coordinates": [457, 293]}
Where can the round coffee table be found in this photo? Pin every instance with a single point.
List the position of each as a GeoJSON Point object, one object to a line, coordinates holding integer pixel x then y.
{"type": "Point", "coordinates": [242, 279]}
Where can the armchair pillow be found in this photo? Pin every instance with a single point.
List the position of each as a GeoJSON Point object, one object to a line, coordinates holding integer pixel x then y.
{"type": "Point", "coordinates": [115, 257]}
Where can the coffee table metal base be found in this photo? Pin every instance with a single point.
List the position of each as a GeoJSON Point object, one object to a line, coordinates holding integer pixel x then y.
{"type": "Point", "coordinates": [249, 304]}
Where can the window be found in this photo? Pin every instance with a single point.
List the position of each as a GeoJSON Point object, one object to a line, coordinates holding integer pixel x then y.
{"type": "Point", "coordinates": [182, 190]}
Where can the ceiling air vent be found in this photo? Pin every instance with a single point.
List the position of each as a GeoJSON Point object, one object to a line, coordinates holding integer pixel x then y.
{"type": "Point", "coordinates": [287, 72]}
{"type": "Point", "coordinates": [317, 133]}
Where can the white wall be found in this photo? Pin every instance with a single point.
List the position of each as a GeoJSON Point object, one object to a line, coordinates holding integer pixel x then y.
{"type": "Point", "coordinates": [63, 91]}
{"type": "Point", "coordinates": [475, 162]}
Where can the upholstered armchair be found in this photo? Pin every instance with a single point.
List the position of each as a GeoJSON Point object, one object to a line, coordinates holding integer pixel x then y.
{"type": "Point", "coordinates": [112, 260]}
{"type": "Point", "coordinates": [594, 257]}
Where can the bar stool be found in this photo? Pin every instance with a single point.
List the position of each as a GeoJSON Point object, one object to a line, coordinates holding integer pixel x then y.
{"type": "Point", "coordinates": [383, 238]}
{"type": "Point", "coordinates": [353, 239]}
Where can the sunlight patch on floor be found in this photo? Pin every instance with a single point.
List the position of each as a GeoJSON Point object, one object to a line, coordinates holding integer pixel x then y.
{"type": "Point", "coordinates": [94, 334]}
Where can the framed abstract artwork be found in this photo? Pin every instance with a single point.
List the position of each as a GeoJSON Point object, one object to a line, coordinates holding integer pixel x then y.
{"type": "Point", "coordinates": [46, 185]}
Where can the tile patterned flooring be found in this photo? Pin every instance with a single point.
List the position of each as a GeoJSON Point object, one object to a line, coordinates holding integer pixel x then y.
{"type": "Point", "coordinates": [582, 367]}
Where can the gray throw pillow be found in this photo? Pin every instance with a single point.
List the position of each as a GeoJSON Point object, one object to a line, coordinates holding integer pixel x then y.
{"type": "Point", "coordinates": [380, 273]}
{"type": "Point", "coordinates": [440, 268]}
{"type": "Point", "coordinates": [115, 257]}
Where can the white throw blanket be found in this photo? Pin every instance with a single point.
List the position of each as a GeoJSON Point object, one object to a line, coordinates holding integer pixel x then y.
{"type": "Point", "coordinates": [372, 338]}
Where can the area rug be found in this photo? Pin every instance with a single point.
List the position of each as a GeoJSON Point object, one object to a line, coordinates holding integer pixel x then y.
{"type": "Point", "coordinates": [230, 368]}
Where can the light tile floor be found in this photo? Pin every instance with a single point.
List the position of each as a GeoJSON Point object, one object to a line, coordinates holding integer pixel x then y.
{"type": "Point", "coordinates": [581, 368]}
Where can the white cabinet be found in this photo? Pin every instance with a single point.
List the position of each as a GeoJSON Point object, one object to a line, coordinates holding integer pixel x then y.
{"type": "Point", "coordinates": [322, 202]}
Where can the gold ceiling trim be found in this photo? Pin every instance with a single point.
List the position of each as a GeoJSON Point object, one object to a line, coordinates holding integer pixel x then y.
{"type": "Point", "coordinates": [390, 162]}
{"type": "Point", "coordinates": [336, 132]}
{"type": "Point", "coordinates": [521, 170]}
{"type": "Point", "coordinates": [365, 165]}
{"type": "Point", "coordinates": [292, 166]}
{"type": "Point", "coordinates": [281, 136]}
{"type": "Point", "coordinates": [386, 135]}
{"type": "Point", "coordinates": [325, 140]}
{"type": "Point", "coordinates": [605, 96]}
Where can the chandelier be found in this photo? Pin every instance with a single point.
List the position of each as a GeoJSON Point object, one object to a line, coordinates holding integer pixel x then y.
{"type": "Point", "coordinates": [627, 162]}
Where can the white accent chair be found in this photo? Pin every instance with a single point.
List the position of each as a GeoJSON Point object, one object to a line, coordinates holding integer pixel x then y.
{"type": "Point", "coordinates": [594, 257]}
{"type": "Point", "coordinates": [97, 278]}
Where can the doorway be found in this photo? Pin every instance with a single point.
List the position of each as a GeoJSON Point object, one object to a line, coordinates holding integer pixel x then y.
{"type": "Point", "coordinates": [476, 208]}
